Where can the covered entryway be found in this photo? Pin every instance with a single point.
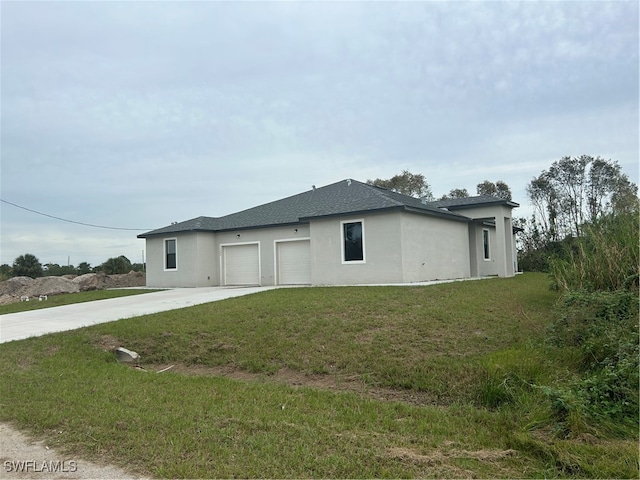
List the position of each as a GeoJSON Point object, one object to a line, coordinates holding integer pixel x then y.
{"type": "Point", "coordinates": [294, 262]}
{"type": "Point", "coordinates": [241, 264]}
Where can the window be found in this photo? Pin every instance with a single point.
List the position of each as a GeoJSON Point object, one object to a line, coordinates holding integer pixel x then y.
{"type": "Point", "coordinates": [353, 241]}
{"type": "Point", "coordinates": [485, 244]}
{"type": "Point", "coordinates": [170, 258]}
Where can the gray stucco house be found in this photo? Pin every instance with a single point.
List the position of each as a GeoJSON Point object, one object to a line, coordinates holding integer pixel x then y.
{"type": "Point", "coordinates": [348, 232]}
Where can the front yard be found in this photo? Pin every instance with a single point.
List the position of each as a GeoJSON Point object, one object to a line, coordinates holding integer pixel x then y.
{"type": "Point", "coordinates": [438, 381]}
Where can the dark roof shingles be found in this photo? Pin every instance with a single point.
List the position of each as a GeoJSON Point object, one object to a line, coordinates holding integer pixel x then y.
{"type": "Point", "coordinates": [344, 197]}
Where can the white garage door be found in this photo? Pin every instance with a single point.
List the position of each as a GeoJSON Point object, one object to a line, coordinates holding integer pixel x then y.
{"type": "Point", "coordinates": [241, 264]}
{"type": "Point", "coordinates": [294, 263]}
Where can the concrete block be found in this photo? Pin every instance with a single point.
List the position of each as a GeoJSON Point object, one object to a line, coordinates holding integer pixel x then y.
{"type": "Point", "coordinates": [126, 356]}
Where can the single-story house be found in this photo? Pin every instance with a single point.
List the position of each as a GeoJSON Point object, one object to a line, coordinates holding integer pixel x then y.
{"type": "Point", "coordinates": [348, 232]}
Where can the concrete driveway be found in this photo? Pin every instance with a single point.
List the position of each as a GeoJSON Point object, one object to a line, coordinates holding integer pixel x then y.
{"type": "Point", "coordinates": [17, 326]}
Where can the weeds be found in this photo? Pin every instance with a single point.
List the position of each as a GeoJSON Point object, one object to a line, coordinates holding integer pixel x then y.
{"type": "Point", "coordinates": [598, 319]}
{"type": "Point", "coordinates": [605, 258]}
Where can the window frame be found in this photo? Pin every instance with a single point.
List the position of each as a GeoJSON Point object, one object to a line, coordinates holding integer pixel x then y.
{"type": "Point", "coordinates": [486, 244]}
{"type": "Point", "coordinates": [343, 250]}
{"type": "Point", "coordinates": [166, 254]}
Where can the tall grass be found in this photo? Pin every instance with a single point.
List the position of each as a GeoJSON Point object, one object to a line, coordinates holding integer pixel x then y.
{"type": "Point", "coordinates": [598, 319]}
{"type": "Point", "coordinates": [605, 258]}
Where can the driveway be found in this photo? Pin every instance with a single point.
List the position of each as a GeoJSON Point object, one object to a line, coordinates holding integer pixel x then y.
{"type": "Point", "coordinates": [17, 326]}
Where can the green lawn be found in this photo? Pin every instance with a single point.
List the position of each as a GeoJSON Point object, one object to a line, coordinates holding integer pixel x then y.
{"type": "Point", "coordinates": [473, 352]}
{"type": "Point", "coordinates": [69, 298]}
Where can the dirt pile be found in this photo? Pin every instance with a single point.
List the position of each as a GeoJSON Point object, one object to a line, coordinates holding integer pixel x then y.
{"type": "Point", "coordinates": [17, 288]}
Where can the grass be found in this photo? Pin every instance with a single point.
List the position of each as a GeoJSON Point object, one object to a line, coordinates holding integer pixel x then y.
{"type": "Point", "coordinates": [69, 298]}
{"type": "Point", "coordinates": [474, 348]}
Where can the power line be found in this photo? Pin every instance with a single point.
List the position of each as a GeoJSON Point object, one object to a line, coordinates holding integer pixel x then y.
{"type": "Point", "coordinates": [71, 221]}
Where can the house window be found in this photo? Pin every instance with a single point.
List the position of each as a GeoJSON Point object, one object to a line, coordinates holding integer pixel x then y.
{"type": "Point", "coordinates": [485, 244]}
{"type": "Point", "coordinates": [353, 241]}
{"type": "Point", "coordinates": [170, 255]}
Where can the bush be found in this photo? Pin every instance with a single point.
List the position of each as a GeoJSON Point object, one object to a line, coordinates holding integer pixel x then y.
{"type": "Point", "coordinates": [539, 259]}
{"type": "Point", "coordinates": [114, 266]}
{"type": "Point", "coordinates": [603, 328]}
{"type": "Point", "coordinates": [598, 319]}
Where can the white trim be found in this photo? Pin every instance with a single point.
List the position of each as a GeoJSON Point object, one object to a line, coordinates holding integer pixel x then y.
{"type": "Point", "coordinates": [488, 250]}
{"type": "Point", "coordinates": [223, 277]}
{"type": "Point", "coordinates": [276, 259]}
{"type": "Point", "coordinates": [164, 254]}
{"type": "Point", "coordinates": [342, 252]}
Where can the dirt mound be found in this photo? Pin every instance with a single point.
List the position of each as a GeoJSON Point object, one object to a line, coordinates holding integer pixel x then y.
{"type": "Point", "coordinates": [50, 286]}
{"type": "Point", "coordinates": [94, 281]}
{"type": "Point", "coordinates": [15, 284]}
{"type": "Point", "coordinates": [131, 279]}
{"type": "Point", "coordinates": [17, 288]}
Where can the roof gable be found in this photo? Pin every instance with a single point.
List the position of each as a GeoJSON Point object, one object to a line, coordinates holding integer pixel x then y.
{"type": "Point", "coordinates": [340, 198]}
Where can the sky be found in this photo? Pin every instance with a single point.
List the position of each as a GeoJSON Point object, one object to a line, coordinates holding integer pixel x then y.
{"type": "Point", "coordinates": [133, 115]}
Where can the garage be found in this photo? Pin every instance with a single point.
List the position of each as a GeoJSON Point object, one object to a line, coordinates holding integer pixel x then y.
{"type": "Point", "coordinates": [241, 264]}
{"type": "Point", "coordinates": [294, 262]}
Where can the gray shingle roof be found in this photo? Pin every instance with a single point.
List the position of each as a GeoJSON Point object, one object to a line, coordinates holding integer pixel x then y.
{"type": "Point", "coordinates": [341, 198]}
{"type": "Point", "coordinates": [453, 203]}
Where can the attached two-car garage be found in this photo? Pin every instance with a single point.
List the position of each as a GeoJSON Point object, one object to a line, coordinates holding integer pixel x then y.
{"type": "Point", "coordinates": [241, 263]}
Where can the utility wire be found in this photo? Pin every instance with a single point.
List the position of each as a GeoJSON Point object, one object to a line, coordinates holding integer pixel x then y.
{"type": "Point", "coordinates": [71, 221]}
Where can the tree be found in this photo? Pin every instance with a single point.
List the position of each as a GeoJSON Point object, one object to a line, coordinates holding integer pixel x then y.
{"type": "Point", "coordinates": [578, 190]}
{"type": "Point", "coordinates": [117, 265]}
{"type": "Point", "coordinates": [27, 265]}
{"type": "Point", "coordinates": [5, 271]}
{"type": "Point", "coordinates": [498, 189]}
{"type": "Point", "coordinates": [55, 270]}
{"type": "Point", "coordinates": [406, 183]}
{"type": "Point", "coordinates": [456, 193]}
{"type": "Point", "coordinates": [137, 267]}
{"type": "Point", "coordinates": [83, 267]}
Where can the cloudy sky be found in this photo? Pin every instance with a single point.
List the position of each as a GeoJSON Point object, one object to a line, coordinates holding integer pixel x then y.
{"type": "Point", "coordinates": [137, 114]}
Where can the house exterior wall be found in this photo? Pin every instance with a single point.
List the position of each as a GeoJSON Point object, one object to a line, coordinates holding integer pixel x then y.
{"type": "Point", "coordinates": [383, 255]}
{"type": "Point", "coordinates": [399, 247]}
{"type": "Point", "coordinates": [484, 267]}
{"type": "Point", "coordinates": [433, 248]}
{"type": "Point", "coordinates": [195, 260]}
{"type": "Point", "coordinates": [503, 257]}
{"type": "Point", "coordinates": [266, 237]}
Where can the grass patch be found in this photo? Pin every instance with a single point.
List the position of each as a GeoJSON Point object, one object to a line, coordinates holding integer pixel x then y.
{"type": "Point", "coordinates": [69, 298]}
{"type": "Point", "coordinates": [463, 344]}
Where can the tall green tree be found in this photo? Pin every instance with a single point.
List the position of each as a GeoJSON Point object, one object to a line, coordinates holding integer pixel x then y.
{"type": "Point", "coordinates": [116, 265]}
{"type": "Point", "coordinates": [407, 183]}
{"type": "Point", "coordinates": [499, 189]}
{"type": "Point", "coordinates": [5, 272]}
{"type": "Point", "coordinates": [27, 265]}
{"type": "Point", "coordinates": [577, 190]}
{"type": "Point", "coordinates": [456, 193]}
{"type": "Point", "coordinates": [55, 270]}
{"type": "Point", "coordinates": [83, 267]}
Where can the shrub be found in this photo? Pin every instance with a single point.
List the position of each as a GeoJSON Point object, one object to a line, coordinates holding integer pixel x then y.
{"type": "Point", "coordinates": [116, 265]}
{"type": "Point", "coordinates": [603, 328]}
